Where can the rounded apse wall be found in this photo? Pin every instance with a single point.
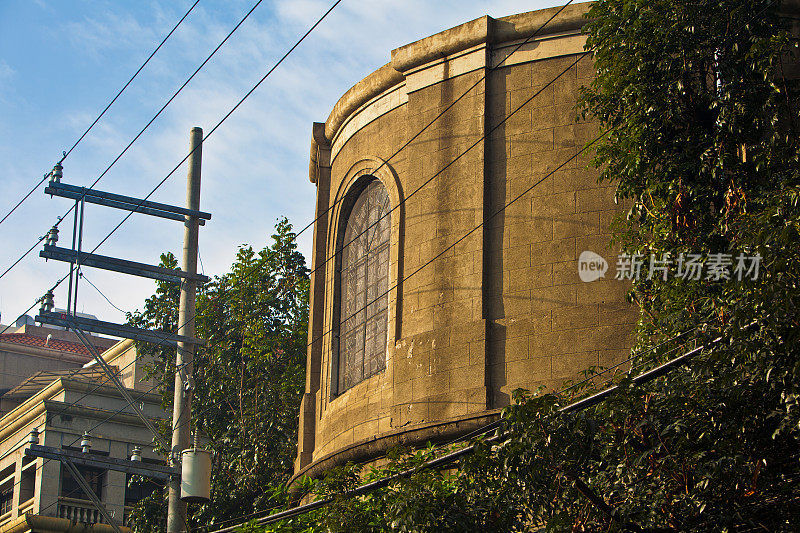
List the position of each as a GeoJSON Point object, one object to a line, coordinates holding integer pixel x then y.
{"type": "Point", "coordinates": [446, 262]}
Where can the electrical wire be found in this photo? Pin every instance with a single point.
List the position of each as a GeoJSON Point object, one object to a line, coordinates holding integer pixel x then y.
{"type": "Point", "coordinates": [486, 220]}
{"type": "Point", "coordinates": [458, 454]}
{"type": "Point", "coordinates": [439, 255]}
{"type": "Point", "coordinates": [83, 276]}
{"type": "Point", "coordinates": [140, 397]}
{"type": "Point", "coordinates": [297, 43]}
{"type": "Point", "coordinates": [428, 181]}
{"type": "Point", "coordinates": [227, 115]}
{"type": "Point", "coordinates": [146, 126]}
{"type": "Point", "coordinates": [439, 115]}
{"type": "Point", "coordinates": [331, 207]}
{"type": "Point", "coordinates": [103, 112]}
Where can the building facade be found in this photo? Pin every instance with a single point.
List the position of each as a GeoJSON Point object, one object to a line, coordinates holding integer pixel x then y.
{"type": "Point", "coordinates": [40, 495]}
{"type": "Point", "coordinates": [453, 204]}
{"type": "Point", "coordinates": [26, 349]}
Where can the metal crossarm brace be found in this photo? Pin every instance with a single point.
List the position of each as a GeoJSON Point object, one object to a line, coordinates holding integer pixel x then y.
{"type": "Point", "coordinates": [65, 320]}
{"type": "Point", "coordinates": [138, 468]}
{"type": "Point", "coordinates": [118, 265]}
{"type": "Point", "coordinates": [122, 390]}
{"type": "Point", "coordinates": [90, 494]}
{"type": "Point", "coordinates": [127, 203]}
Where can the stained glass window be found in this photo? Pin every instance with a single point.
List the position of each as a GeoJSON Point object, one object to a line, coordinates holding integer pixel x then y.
{"type": "Point", "coordinates": [363, 285]}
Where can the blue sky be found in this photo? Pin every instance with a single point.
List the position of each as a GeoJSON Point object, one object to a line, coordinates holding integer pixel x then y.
{"type": "Point", "coordinates": [62, 61]}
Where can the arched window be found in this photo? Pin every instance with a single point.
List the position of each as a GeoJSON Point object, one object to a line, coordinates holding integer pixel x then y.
{"type": "Point", "coordinates": [361, 316]}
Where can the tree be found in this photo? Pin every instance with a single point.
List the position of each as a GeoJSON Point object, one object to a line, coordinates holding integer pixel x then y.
{"type": "Point", "coordinates": [249, 378]}
{"type": "Point", "coordinates": [697, 103]}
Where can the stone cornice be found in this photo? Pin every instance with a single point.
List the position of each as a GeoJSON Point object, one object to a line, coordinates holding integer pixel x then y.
{"type": "Point", "coordinates": [481, 30]}
{"type": "Point", "coordinates": [33, 407]}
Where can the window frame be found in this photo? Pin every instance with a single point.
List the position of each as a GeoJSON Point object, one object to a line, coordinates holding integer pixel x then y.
{"type": "Point", "coordinates": [351, 197]}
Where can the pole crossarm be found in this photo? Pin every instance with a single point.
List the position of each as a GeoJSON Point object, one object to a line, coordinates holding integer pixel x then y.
{"type": "Point", "coordinates": [65, 320]}
{"type": "Point", "coordinates": [127, 203]}
{"type": "Point", "coordinates": [115, 380]}
{"type": "Point", "coordinates": [90, 493]}
{"type": "Point", "coordinates": [119, 265]}
{"type": "Point", "coordinates": [138, 468]}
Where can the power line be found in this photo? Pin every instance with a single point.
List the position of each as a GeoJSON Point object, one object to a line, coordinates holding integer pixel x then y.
{"type": "Point", "coordinates": [509, 203]}
{"type": "Point", "coordinates": [487, 219]}
{"type": "Point", "coordinates": [535, 184]}
{"type": "Point", "coordinates": [297, 43]}
{"type": "Point", "coordinates": [83, 276]}
{"type": "Point", "coordinates": [428, 181]}
{"type": "Point", "coordinates": [439, 115]}
{"type": "Point", "coordinates": [582, 55]}
{"type": "Point", "coordinates": [146, 126]}
{"type": "Point", "coordinates": [474, 229]}
{"type": "Point", "coordinates": [130, 80]}
{"type": "Point", "coordinates": [392, 156]}
{"type": "Point", "coordinates": [103, 112]}
{"type": "Point", "coordinates": [502, 208]}
{"type": "Point", "coordinates": [309, 225]}
{"type": "Point", "coordinates": [206, 136]}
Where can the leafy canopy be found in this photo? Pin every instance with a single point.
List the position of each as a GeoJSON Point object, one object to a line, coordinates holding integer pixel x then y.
{"type": "Point", "coordinates": [249, 378]}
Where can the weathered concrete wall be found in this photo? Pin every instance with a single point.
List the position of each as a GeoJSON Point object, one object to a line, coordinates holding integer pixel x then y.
{"type": "Point", "coordinates": [486, 299]}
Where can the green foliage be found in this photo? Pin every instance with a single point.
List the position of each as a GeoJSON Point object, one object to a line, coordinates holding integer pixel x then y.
{"type": "Point", "coordinates": [249, 378]}
{"type": "Point", "coordinates": [698, 101]}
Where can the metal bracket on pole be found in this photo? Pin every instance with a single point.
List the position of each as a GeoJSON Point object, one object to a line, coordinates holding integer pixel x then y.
{"type": "Point", "coordinates": [119, 265]}
{"type": "Point", "coordinates": [90, 493]}
{"type": "Point", "coordinates": [115, 380]}
{"type": "Point", "coordinates": [66, 320]}
{"type": "Point", "coordinates": [138, 468]}
{"type": "Point", "coordinates": [127, 203]}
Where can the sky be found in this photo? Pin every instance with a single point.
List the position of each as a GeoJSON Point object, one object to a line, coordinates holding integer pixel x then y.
{"type": "Point", "coordinates": [62, 61]}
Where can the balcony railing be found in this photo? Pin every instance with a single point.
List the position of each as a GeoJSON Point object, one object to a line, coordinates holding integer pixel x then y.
{"type": "Point", "coordinates": [78, 511]}
{"type": "Point", "coordinates": [26, 506]}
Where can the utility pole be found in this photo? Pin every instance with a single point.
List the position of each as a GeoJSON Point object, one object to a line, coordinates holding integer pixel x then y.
{"type": "Point", "coordinates": [184, 384]}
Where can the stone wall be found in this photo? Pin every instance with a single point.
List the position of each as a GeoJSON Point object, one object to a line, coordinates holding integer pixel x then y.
{"type": "Point", "coordinates": [486, 298]}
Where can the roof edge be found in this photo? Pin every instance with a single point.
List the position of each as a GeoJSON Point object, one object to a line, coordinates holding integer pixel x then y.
{"type": "Point", "coordinates": [484, 29]}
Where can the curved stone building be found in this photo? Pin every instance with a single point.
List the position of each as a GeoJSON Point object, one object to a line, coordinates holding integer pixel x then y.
{"type": "Point", "coordinates": [446, 258]}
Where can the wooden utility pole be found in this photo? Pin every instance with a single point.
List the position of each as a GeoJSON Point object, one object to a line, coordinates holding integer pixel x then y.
{"type": "Point", "coordinates": [184, 384]}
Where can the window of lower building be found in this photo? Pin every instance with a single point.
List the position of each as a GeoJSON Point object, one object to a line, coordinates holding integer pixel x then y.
{"type": "Point", "coordinates": [7, 489]}
{"type": "Point", "coordinates": [70, 488]}
{"type": "Point", "coordinates": [138, 488]}
{"type": "Point", "coordinates": [27, 483]}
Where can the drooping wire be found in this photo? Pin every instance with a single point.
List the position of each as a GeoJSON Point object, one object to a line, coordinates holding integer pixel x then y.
{"type": "Point", "coordinates": [82, 275]}
{"type": "Point", "coordinates": [297, 43]}
{"type": "Point", "coordinates": [428, 181]}
{"type": "Point", "coordinates": [250, 273]}
{"type": "Point", "coordinates": [523, 193]}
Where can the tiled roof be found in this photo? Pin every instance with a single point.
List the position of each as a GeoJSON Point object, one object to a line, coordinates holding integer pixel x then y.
{"type": "Point", "coordinates": [54, 344]}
